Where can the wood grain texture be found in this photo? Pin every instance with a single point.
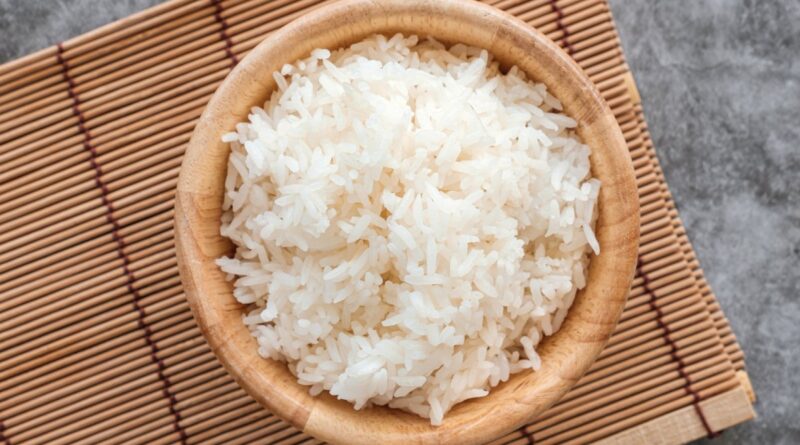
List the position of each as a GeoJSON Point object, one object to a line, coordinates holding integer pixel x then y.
{"type": "Point", "coordinates": [684, 425]}
{"type": "Point", "coordinates": [565, 356]}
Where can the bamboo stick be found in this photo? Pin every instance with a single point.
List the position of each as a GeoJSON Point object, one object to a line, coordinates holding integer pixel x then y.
{"type": "Point", "coordinates": [43, 163]}
{"type": "Point", "coordinates": [68, 253]}
{"type": "Point", "coordinates": [144, 432]}
{"type": "Point", "coordinates": [14, 357]}
{"type": "Point", "coordinates": [640, 299]}
{"type": "Point", "coordinates": [84, 237]}
{"type": "Point", "coordinates": [94, 212]}
{"type": "Point", "coordinates": [672, 273]}
{"type": "Point", "coordinates": [663, 305]}
{"type": "Point", "coordinates": [573, 23]}
{"type": "Point", "coordinates": [214, 411]}
{"type": "Point", "coordinates": [542, 13]}
{"type": "Point", "coordinates": [142, 415]}
{"type": "Point", "coordinates": [258, 419]}
{"type": "Point", "coordinates": [87, 76]}
{"type": "Point", "coordinates": [722, 411]}
{"type": "Point", "coordinates": [516, 7]}
{"type": "Point", "coordinates": [183, 32]}
{"type": "Point", "coordinates": [169, 321]}
{"type": "Point", "coordinates": [235, 431]}
{"type": "Point", "coordinates": [100, 383]}
{"type": "Point", "coordinates": [633, 326]}
{"type": "Point", "coordinates": [46, 308]}
{"type": "Point", "coordinates": [72, 177]}
{"type": "Point", "coordinates": [247, 418]}
{"type": "Point", "coordinates": [59, 368]}
{"type": "Point", "coordinates": [166, 161]}
{"type": "Point", "coordinates": [175, 19]}
{"type": "Point", "coordinates": [31, 136]}
{"type": "Point", "coordinates": [102, 411]}
{"type": "Point", "coordinates": [27, 184]}
{"type": "Point", "coordinates": [693, 314]}
{"type": "Point", "coordinates": [657, 385]}
{"type": "Point", "coordinates": [64, 325]}
{"type": "Point", "coordinates": [103, 262]}
{"type": "Point", "coordinates": [129, 59]}
{"type": "Point", "coordinates": [657, 378]}
{"type": "Point", "coordinates": [209, 390]}
{"type": "Point", "coordinates": [597, 379]}
{"type": "Point", "coordinates": [612, 61]}
{"type": "Point", "coordinates": [130, 228]}
{"type": "Point", "coordinates": [288, 436]}
{"type": "Point", "coordinates": [104, 282]}
{"type": "Point", "coordinates": [53, 422]}
{"type": "Point", "coordinates": [641, 305]}
{"type": "Point", "coordinates": [258, 437]}
{"type": "Point", "coordinates": [132, 24]}
{"type": "Point", "coordinates": [48, 71]}
{"type": "Point", "coordinates": [35, 97]}
{"type": "Point", "coordinates": [716, 386]}
{"type": "Point", "coordinates": [202, 32]}
{"type": "Point", "coordinates": [571, 429]}
{"type": "Point", "coordinates": [90, 207]}
{"type": "Point", "coordinates": [202, 411]}
{"type": "Point", "coordinates": [608, 363]}
{"type": "Point", "coordinates": [134, 363]}
{"type": "Point", "coordinates": [107, 87]}
{"type": "Point", "coordinates": [189, 383]}
{"type": "Point", "coordinates": [97, 48]}
{"type": "Point", "coordinates": [253, 437]}
{"type": "Point", "coordinates": [113, 270]}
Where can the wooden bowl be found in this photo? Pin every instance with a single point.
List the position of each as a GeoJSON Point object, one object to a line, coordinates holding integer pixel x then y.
{"type": "Point", "coordinates": [565, 355]}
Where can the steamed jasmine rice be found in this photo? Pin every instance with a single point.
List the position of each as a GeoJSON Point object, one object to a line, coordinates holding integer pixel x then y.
{"type": "Point", "coordinates": [410, 222]}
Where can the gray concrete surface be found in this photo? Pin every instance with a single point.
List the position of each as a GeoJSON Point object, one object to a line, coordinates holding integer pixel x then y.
{"type": "Point", "coordinates": [720, 84]}
{"type": "Point", "coordinates": [720, 81]}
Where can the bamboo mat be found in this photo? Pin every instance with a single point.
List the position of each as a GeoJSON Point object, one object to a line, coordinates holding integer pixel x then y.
{"type": "Point", "coordinates": [97, 344]}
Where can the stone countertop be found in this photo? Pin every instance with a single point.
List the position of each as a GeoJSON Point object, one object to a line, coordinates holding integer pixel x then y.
{"type": "Point", "coordinates": [720, 84]}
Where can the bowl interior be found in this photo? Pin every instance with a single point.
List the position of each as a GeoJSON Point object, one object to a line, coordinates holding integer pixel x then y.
{"type": "Point", "coordinates": [565, 355]}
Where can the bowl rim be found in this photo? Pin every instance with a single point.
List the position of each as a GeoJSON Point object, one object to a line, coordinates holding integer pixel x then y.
{"type": "Point", "coordinates": [566, 355]}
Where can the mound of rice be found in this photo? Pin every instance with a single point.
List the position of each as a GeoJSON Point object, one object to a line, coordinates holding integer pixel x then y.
{"type": "Point", "coordinates": [409, 222]}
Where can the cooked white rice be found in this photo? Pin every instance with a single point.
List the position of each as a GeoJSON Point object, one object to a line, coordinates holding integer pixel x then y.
{"type": "Point", "coordinates": [409, 222]}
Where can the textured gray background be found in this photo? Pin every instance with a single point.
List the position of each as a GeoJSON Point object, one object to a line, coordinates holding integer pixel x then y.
{"type": "Point", "coordinates": [720, 81]}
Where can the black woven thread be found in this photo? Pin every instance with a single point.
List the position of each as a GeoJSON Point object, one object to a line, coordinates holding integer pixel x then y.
{"type": "Point", "coordinates": [666, 334]}
{"type": "Point", "coordinates": [223, 32]}
{"type": "Point", "coordinates": [115, 229]}
{"type": "Point", "coordinates": [3, 438]}
{"type": "Point", "coordinates": [559, 22]}
{"type": "Point", "coordinates": [527, 434]}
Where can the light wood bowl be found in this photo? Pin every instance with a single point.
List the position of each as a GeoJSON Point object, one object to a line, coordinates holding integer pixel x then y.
{"type": "Point", "coordinates": [565, 355]}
